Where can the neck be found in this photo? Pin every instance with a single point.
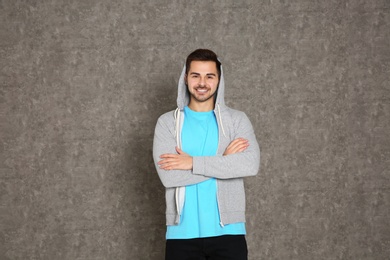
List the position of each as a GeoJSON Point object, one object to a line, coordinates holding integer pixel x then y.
{"type": "Point", "coordinates": [201, 107]}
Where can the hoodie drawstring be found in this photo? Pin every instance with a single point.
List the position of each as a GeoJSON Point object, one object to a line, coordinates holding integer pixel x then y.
{"type": "Point", "coordinates": [220, 119]}
{"type": "Point", "coordinates": [179, 191]}
{"type": "Point", "coordinates": [177, 121]}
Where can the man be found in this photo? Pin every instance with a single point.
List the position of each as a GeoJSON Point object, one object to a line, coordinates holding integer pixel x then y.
{"type": "Point", "coordinates": [202, 151]}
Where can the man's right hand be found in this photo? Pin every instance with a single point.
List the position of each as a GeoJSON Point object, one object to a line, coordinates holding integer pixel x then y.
{"type": "Point", "coordinates": [236, 146]}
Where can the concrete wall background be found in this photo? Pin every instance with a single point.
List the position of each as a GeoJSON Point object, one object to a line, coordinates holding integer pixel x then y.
{"type": "Point", "coordinates": [83, 83]}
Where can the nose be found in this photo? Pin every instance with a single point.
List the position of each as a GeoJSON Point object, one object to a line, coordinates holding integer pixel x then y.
{"type": "Point", "coordinates": [202, 82]}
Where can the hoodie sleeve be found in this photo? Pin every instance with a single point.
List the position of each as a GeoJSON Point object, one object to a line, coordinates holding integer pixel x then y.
{"type": "Point", "coordinates": [236, 165]}
{"type": "Point", "coordinates": [164, 142]}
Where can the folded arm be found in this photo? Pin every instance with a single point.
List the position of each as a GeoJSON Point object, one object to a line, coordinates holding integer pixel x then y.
{"type": "Point", "coordinates": [183, 161]}
{"type": "Point", "coordinates": [232, 165]}
{"type": "Point", "coordinates": [241, 158]}
{"type": "Point", "coordinates": [165, 143]}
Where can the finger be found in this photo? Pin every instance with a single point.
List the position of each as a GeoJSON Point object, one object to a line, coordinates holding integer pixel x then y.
{"type": "Point", "coordinates": [238, 143]}
{"type": "Point", "coordinates": [243, 148]}
{"type": "Point", "coordinates": [166, 160]}
{"type": "Point", "coordinates": [161, 162]}
{"type": "Point", "coordinates": [168, 155]}
{"type": "Point", "coordinates": [239, 148]}
{"type": "Point", "coordinates": [166, 165]}
{"type": "Point", "coordinates": [169, 166]}
{"type": "Point", "coordinates": [239, 140]}
{"type": "Point", "coordinates": [232, 145]}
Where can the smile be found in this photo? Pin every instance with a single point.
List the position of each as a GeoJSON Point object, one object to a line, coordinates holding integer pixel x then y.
{"type": "Point", "coordinates": [201, 90]}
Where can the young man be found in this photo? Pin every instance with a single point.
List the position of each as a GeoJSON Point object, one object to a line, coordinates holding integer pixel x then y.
{"type": "Point", "coordinates": [202, 151]}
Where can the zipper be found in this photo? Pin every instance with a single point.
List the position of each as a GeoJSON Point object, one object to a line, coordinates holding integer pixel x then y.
{"type": "Point", "coordinates": [219, 210]}
{"type": "Point", "coordinates": [178, 143]}
{"type": "Point", "coordinates": [218, 117]}
{"type": "Point", "coordinates": [177, 205]}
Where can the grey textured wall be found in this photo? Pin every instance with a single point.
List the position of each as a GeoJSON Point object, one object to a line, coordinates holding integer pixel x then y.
{"type": "Point", "coordinates": [83, 83]}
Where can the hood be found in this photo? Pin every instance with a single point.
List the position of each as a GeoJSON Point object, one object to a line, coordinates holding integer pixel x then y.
{"type": "Point", "coordinates": [183, 98]}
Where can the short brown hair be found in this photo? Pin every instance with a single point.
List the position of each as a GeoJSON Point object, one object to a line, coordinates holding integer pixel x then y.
{"type": "Point", "coordinates": [203, 55]}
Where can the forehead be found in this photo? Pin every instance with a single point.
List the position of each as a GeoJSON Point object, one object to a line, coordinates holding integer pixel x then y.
{"type": "Point", "coordinates": [203, 67]}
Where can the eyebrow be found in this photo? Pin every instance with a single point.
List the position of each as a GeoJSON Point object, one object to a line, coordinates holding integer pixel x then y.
{"type": "Point", "coordinates": [208, 74]}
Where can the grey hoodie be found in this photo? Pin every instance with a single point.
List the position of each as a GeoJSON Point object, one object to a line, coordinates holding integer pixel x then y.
{"type": "Point", "coordinates": [228, 170]}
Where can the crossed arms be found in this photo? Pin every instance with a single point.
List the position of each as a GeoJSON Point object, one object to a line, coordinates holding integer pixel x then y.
{"type": "Point", "coordinates": [175, 168]}
{"type": "Point", "coordinates": [183, 161]}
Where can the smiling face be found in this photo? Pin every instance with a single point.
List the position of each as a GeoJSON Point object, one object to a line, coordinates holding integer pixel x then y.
{"type": "Point", "coordinates": [202, 82]}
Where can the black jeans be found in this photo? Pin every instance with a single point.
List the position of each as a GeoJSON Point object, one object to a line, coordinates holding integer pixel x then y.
{"type": "Point", "coordinates": [228, 247]}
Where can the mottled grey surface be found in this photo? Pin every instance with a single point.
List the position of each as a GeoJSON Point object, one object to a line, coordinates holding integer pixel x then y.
{"type": "Point", "coordinates": [82, 84]}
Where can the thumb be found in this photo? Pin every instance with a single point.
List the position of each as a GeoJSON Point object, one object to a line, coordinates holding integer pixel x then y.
{"type": "Point", "coordinates": [178, 150]}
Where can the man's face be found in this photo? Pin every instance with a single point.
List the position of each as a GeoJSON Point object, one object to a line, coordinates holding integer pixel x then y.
{"type": "Point", "coordinates": [202, 81]}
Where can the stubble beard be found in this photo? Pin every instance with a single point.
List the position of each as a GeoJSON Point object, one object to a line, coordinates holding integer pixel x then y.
{"type": "Point", "coordinates": [201, 98]}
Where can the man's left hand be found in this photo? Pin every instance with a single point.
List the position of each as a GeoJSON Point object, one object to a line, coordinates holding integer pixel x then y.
{"type": "Point", "coordinates": [180, 161]}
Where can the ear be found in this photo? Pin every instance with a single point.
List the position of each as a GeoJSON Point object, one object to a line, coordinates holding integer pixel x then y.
{"type": "Point", "coordinates": [185, 79]}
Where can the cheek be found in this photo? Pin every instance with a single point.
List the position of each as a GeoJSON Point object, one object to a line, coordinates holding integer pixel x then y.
{"type": "Point", "coordinates": [213, 83]}
{"type": "Point", "coordinates": [191, 83]}
{"type": "Point", "coordinates": [214, 86]}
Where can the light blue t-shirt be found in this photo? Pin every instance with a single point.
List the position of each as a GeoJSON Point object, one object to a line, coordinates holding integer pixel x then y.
{"type": "Point", "coordinates": [200, 216]}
